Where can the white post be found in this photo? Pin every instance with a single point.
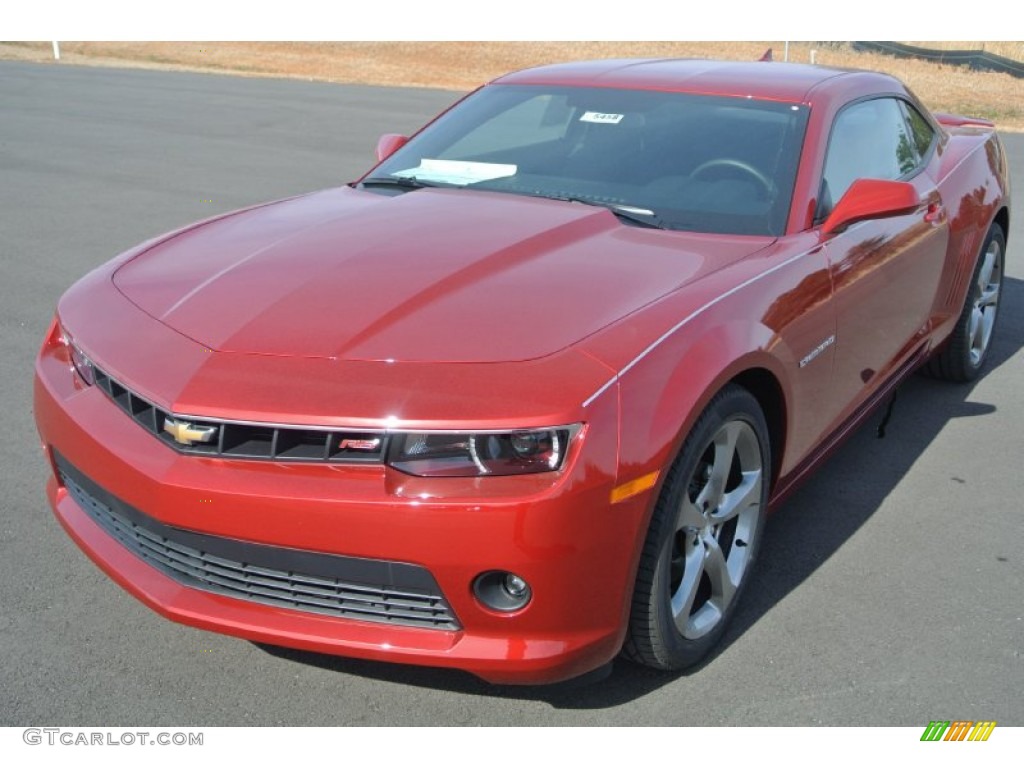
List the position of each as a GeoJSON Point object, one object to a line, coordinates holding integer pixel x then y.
{"type": "Point", "coordinates": [813, 52]}
{"type": "Point", "coordinates": [785, 53]}
{"type": "Point", "coordinates": [56, 50]}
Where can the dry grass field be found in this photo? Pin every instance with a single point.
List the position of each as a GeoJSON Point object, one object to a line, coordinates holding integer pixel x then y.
{"type": "Point", "coordinates": [464, 65]}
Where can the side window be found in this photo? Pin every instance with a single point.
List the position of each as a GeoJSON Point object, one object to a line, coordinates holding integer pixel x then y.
{"type": "Point", "coordinates": [921, 130]}
{"type": "Point", "coordinates": [869, 140]}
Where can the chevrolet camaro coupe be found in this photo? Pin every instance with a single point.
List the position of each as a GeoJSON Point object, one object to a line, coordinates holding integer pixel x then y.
{"type": "Point", "coordinates": [520, 398]}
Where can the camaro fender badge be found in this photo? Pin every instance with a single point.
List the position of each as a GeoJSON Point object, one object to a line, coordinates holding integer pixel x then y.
{"type": "Point", "coordinates": [818, 350]}
{"type": "Point", "coordinates": [186, 434]}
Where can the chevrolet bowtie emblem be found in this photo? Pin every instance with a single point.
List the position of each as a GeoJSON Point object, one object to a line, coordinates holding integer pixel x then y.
{"type": "Point", "coordinates": [186, 434]}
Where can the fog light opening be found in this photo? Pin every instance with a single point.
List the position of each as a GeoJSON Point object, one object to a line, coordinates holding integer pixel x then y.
{"type": "Point", "coordinates": [502, 591]}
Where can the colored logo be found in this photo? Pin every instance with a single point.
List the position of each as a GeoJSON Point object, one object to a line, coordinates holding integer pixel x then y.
{"type": "Point", "coordinates": [359, 445]}
{"type": "Point", "coordinates": [958, 730]}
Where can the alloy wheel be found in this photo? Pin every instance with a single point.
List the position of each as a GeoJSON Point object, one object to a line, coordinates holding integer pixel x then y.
{"type": "Point", "coordinates": [715, 525]}
{"type": "Point", "coordinates": [986, 301]}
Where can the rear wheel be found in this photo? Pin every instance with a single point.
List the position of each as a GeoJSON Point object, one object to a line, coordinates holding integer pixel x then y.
{"type": "Point", "coordinates": [963, 357]}
{"type": "Point", "coordinates": [703, 537]}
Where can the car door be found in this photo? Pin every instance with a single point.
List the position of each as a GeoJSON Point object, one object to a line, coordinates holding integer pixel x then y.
{"type": "Point", "coordinates": [885, 272]}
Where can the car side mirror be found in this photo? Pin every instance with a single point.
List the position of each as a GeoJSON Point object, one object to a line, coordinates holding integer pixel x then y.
{"type": "Point", "coordinates": [388, 144]}
{"type": "Point", "coordinates": [871, 199]}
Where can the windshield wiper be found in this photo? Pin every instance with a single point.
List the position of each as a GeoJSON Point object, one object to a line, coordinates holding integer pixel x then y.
{"type": "Point", "coordinates": [631, 213]}
{"type": "Point", "coordinates": [642, 216]}
{"type": "Point", "coordinates": [405, 182]}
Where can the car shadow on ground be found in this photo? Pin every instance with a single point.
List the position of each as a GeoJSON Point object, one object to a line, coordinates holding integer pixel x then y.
{"type": "Point", "coordinates": [798, 539]}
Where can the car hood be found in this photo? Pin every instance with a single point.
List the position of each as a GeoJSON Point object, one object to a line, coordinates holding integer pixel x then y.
{"type": "Point", "coordinates": [441, 275]}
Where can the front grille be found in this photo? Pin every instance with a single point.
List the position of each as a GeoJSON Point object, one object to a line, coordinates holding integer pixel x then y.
{"type": "Point", "coordinates": [344, 587]}
{"type": "Point", "coordinates": [232, 439]}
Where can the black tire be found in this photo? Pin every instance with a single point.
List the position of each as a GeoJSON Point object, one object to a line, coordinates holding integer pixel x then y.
{"type": "Point", "coordinates": [679, 567]}
{"type": "Point", "coordinates": [963, 356]}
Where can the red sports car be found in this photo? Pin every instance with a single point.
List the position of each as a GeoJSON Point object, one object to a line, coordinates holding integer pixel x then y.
{"type": "Point", "coordinates": [520, 398]}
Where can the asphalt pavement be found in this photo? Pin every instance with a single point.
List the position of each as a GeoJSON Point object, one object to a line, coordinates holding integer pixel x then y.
{"type": "Point", "coordinates": [890, 589]}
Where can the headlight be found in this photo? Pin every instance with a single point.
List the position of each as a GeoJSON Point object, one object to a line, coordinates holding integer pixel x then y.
{"type": "Point", "coordinates": [449, 454]}
{"type": "Point", "coordinates": [79, 360]}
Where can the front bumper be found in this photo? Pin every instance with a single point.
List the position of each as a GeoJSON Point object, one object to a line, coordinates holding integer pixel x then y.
{"type": "Point", "coordinates": [576, 550]}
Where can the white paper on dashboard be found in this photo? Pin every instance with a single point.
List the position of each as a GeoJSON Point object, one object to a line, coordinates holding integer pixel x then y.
{"type": "Point", "coordinates": [458, 171]}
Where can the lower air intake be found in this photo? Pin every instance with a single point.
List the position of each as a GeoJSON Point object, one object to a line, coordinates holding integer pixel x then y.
{"type": "Point", "coordinates": [345, 587]}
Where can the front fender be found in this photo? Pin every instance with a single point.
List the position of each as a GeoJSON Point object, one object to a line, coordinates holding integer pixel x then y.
{"type": "Point", "coordinates": [692, 367]}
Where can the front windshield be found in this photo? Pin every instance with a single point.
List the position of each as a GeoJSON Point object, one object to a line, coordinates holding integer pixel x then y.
{"type": "Point", "coordinates": [688, 162]}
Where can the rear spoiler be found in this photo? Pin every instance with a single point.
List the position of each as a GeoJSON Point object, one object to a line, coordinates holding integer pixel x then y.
{"type": "Point", "coordinates": [959, 121]}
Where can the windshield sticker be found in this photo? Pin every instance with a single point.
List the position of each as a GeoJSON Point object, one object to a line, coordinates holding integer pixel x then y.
{"type": "Point", "coordinates": [601, 117]}
{"type": "Point", "coordinates": [457, 171]}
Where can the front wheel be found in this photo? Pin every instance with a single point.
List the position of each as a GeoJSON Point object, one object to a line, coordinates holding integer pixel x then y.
{"type": "Point", "coordinates": [703, 537]}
